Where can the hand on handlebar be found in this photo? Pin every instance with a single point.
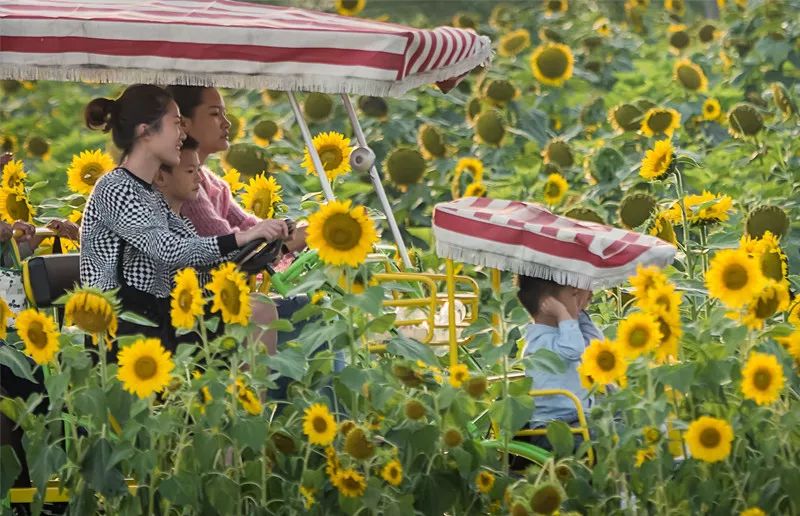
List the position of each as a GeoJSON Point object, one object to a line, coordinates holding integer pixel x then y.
{"type": "Point", "coordinates": [269, 229]}
{"type": "Point", "coordinates": [23, 231]}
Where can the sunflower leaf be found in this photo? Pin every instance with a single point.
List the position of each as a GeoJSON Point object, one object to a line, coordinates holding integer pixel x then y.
{"type": "Point", "coordinates": [135, 318]}
{"type": "Point", "coordinates": [17, 362]}
{"type": "Point", "coordinates": [411, 349]}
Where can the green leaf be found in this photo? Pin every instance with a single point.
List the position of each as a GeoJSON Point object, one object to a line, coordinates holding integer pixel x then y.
{"type": "Point", "coordinates": [514, 411]}
{"type": "Point", "coordinates": [561, 438]}
{"type": "Point", "coordinates": [289, 362]}
{"type": "Point", "coordinates": [9, 469]}
{"type": "Point", "coordinates": [181, 489]}
{"type": "Point", "coordinates": [17, 362]}
{"type": "Point", "coordinates": [251, 432]}
{"type": "Point", "coordinates": [353, 378]}
{"type": "Point", "coordinates": [221, 490]}
{"type": "Point", "coordinates": [679, 376]}
{"type": "Point", "coordinates": [381, 324]}
{"type": "Point", "coordinates": [544, 360]}
{"type": "Point", "coordinates": [99, 471]}
{"type": "Point", "coordinates": [370, 301]}
{"type": "Point", "coordinates": [281, 325]}
{"type": "Point", "coordinates": [411, 349]}
{"type": "Point", "coordinates": [424, 440]}
{"type": "Point", "coordinates": [135, 318]}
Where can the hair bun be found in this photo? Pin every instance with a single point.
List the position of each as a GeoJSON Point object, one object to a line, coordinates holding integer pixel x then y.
{"type": "Point", "coordinates": [98, 113]}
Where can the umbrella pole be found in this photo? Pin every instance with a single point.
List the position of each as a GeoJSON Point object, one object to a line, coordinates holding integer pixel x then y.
{"type": "Point", "coordinates": [323, 178]}
{"type": "Point", "coordinates": [376, 182]}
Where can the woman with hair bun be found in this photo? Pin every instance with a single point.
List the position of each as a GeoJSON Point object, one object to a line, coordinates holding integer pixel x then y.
{"type": "Point", "coordinates": [130, 239]}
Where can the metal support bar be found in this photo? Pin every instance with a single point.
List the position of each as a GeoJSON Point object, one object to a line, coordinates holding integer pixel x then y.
{"type": "Point", "coordinates": [376, 182]}
{"type": "Point", "coordinates": [323, 178]}
{"type": "Point", "coordinates": [451, 312]}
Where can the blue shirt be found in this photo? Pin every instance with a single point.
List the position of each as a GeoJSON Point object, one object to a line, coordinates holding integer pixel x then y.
{"type": "Point", "coordinates": [568, 341]}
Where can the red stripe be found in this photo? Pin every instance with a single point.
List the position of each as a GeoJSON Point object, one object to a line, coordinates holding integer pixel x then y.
{"type": "Point", "coordinates": [201, 51]}
{"type": "Point", "coordinates": [464, 37]}
{"type": "Point", "coordinates": [423, 38]}
{"type": "Point", "coordinates": [447, 47]}
{"type": "Point", "coordinates": [558, 248]}
{"type": "Point", "coordinates": [425, 66]}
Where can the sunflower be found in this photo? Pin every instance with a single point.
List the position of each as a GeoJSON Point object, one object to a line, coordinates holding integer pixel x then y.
{"type": "Point", "coordinates": [86, 168]}
{"type": "Point", "coordinates": [261, 195]}
{"type": "Point", "coordinates": [374, 107]}
{"type": "Point", "coordinates": [677, 7]}
{"type": "Point", "coordinates": [555, 187]}
{"type": "Point", "coordinates": [782, 100]}
{"type": "Point", "coordinates": [558, 151]}
{"type": "Point", "coordinates": [744, 120]}
{"type": "Point", "coordinates": [774, 263]}
{"type": "Point", "coordinates": [762, 378]}
{"type": "Point", "coordinates": [602, 27]}
{"type": "Point", "coordinates": [484, 481]}
{"type": "Point", "coordinates": [659, 120]}
{"type": "Point", "coordinates": [603, 361]}
{"type": "Point", "coordinates": [187, 299]}
{"type": "Point", "coordinates": [500, 92]}
{"type": "Point", "coordinates": [645, 454]}
{"type": "Point", "coordinates": [452, 437]}
{"type": "Point", "coordinates": [705, 208]}
{"type": "Point", "coordinates": [93, 312]}
{"type": "Point", "coordinates": [39, 334]}
{"type": "Point", "coordinates": [350, 7]}
{"type": "Point", "coordinates": [711, 109]}
{"type": "Point", "coordinates": [8, 143]}
{"type": "Point", "coordinates": [232, 177]}
{"type": "Point", "coordinates": [5, 315]}
{"type": "Point", "coordinates": [707, 33]}
{"type": "Point", "coordinates": [247, 397]}
{"type": "Point", "coordinates": [14, 205]}
{"type": "Point", "coordinates": [773, 298]}
{"type": "Point", "coordinates": [308, 496]}
{"type": "Point", "coordinates": [638, 334]}
{"type": "Point", "coordinates": [358, 445]}
{"type": "Point", "coordinates": [13, 175]}
{"type": "Point", "coordinates": [625, 117]}
{"type": "Point", "coordinates": [144, 367]}
{"type": "Point", "coordinates": [679, 38]}
{"type": "Point", "coordinates": [405, 166]}
{"type": "Point", "coordinates": [552, 64]}
{"type": "Point", "coordinates": [514, 42]}
{"type": "Point", "coordinates": [334, 153]}
{"type": "Point", "coordinates": [431, 142]}
{"type": "Point", "coordinates": [472, 165]}
{"type": "Point", "coordinates": [733, 277]}
{"type": "Point", "coordinates": [635, 209]}
{"type": "Point", "coordinates": [546, 498]}
{"type": "Point", "coordinates": [458, 375]}
{"type": "Point", "coordinates": [38, 147]}
{"type": "Point", "coordinates": [670, 327]}
{"type": "Point", "coordinates": [663, 229]}
{"type": "Point", "coordinates": [475, 190]}
{"type": "Point", "coordinates": [204, 393]}
{"type": "Point", "coordinates": [392, 472]}
{"type": "Point", "coordinates": [318, 425]}
{"type": "Point", "coordinates": [765, 218]}
{"type": "Point", "coordinates": [502, 16]}
{"type": "Point", "coordinates": [464, 21]}
{"type": "Point", "coordinates": [341, 235]}
{"type": "Point", "coordinates": [753, 511]}
{"type": "Point", "coordinates": [331, 462]}
{"type": "Point", "coordinates": [231, 294]}
{"type": "Point", "coordinates": [646, 278]}
{"type": "Point", "coordinates": [709, 439]}
{"type": "Point", "coordinates": [318, 107]}
{"type": "Point", "coordinates": [350, 483]}
{"type": "Point", "coordinates": [490, 127]}
{"type": "Point", "coordinates": [266, 132]}
{"type": "Point", "coordinates": [473, 108]}
{"type": "Point", "coordinates": [690, 75]}
{"type": "Point", "coordinates": [792, 344]}
{"type": "Point", "coordinates": [556, 6]}
{"type": "Point", "coordinates": [236, 130]}
{"type": "Point", "coordinates": [661, 297]}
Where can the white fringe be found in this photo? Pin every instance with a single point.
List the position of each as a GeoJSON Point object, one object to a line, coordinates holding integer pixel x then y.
{"type": "Point", "coordinates": [315, 83]}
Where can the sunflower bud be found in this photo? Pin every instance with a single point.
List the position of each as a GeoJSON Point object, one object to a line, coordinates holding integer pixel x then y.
{"type": "Point", "coordinates": [559, 152]}
{"type": "Point", "coordinates": [284, 443]}
{"type": "Point", "coordinates": [453, 438]}
{"type": "Point", "coordinates": [267, 131]}
{"type": "Point", "coordinates": [357, 445]}
{"type": "Point", "coordinates": [346, 426]}
{"type": "Point", "coordinates": [473, 108]}
{"type": "Point", "coordinates": [270, 96]}
{"type": "Point", "coordinates": [464, 21]}
{"type": "Point", "coordinates": [414, 410]}
{"type": "Point", "coordinates": [546, 498]}
{"type": "Point", "coordinates": [476, 386]}
{"type": "Point", "coordinates": [406, 374]}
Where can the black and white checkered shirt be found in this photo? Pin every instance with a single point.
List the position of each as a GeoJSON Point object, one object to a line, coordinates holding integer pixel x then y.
{"type": "Point", "coordinates": [157, 241]}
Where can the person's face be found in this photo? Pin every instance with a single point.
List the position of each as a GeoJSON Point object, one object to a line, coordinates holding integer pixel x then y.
{"type": "Point", "coordinates": [165, 143]}
{"type": "Point", "coordinates": [208, 124]}
{"type": "Point", "coordinates": [183, 183]}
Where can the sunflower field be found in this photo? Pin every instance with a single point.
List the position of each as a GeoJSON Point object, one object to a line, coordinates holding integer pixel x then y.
{"type": "Point", "coordinates": [672, 118]}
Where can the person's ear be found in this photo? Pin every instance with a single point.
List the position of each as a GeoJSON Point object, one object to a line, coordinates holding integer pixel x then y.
{"type": "Point", "coordinates": [160, 179]}
{"type": "Point", "coordinates": [142, 130]}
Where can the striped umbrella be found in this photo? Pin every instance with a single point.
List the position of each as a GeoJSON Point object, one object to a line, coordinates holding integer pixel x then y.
{"type": "Point", "coordinates": [528, 239]}
{"type": "Point", "coordinates": [229, 44]}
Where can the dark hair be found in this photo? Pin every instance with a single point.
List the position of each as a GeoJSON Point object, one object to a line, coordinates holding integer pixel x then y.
{"type": "Point", "coordinates": [189, 144]}
{"type": "Point", "coordinates": [138, 104]}
{"type": "Point", "coordinates": [187, 98]}
{"type": "Point", "coordinates": [532, 290]}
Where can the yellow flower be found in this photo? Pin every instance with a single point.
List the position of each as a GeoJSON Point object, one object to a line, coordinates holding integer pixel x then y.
{"type": "Point", "coordinates": [318, 425]}
{"type": "Point", "coordinates": [690, 76]}
{"type": "Point", "coordinates": [266, 132]}
{"type": "Point", "coordinates": [762, 378]}
{"type": "Point", "coordinates": [350, 7]}
{"type": "Point", "coordinates": [744, 120]}
{"type": "Point", "coordinates": [458, 375]}
{"type": "Point", "coordinates": [308, 496]}
{"type": "Point", "coordinates": [709, 439]}
{"type": "Point", "coordinates": [603, 361]}
{"type": "Point", "coordinates": [232, 178]}
{"type": "Point", "coordinates": [86, 168]}
{"type": "Point", "coordinates": [661, 297]}
{"type": "Point", "coordinates": [187, 299]}
{"type": "Point", "coordinates": [792, 344]}
{"type": "Point", "coordinates": [675, 6]}
{"type": "Point", "coordinates": [247, 398]}
{"type": "Point", "coordinates": [555, 188]}
{"type": "Point", "coordinates": [733, 277]}
{"type": "Point", "coordinates": [660, 121]}
{"type": "Point", "coordinates": [350, 483]}
{"type": "Point", "coordinates": [38, 147]}
{"type": "Point", "coordinates": [334, 154]}
{"type": "Point", "coordinates": [773, 298]}
{"type": "Point", "coordinates": [657, 162]}
{"type": "Point", "coordinates": [341, 235]}
{"type": "Point", "coordinates": [711, 109]}
{"type": "Point", "coordinates": [205, 393]}
{"type": "Point", "coordinates": [144, 367]}
{"type": "Point", "coordinates": [552, 64]}
{"type": "Point", "coordinates": [484, 481]}
{"type": "Point", "coordinates": [392, 472]}
{"type": "Point", "coordinates": [670, 327]}
{"type": "Point", "coordinates": [91, 311]}
{"type": "Point", "coordinates": [767, 251]}
{"type": "Point", "coordinates": [638, 334]}
{"type": "Point", "coordinates": [753, 511]}
{"type": "Point", "coordinates": [651, 435]}
{"type": "Point", "coordinates": [39, 334]}
{"type": "Point", "coordinates": [318, 296]}
{"type": "Point", "coordinates": [646, 278]}
{"type": "Point", "coordinates": [14, 205]}
{"type": "Point", "coordinates": [602, 26]}
{"type": "Point", "coordinates": [514, 42]}
{"type": "Point", "coordinates": [261, 195]}
{"type": "Point", "coordinates": [5, 315]}
{"type": "Point", "coordinates": [705, 208]}
{"type": "Point", "coordinates": [231, 294]}
{"type": "Point", "coordinates": [663, 229]}
{"type": "Point", "coordinates": [430, 141]}
{"type": "Point", "coordinates": [473, 166]}
{"type": "Point", "coordinates": [331, 463]}
{"type": "Point", "coordinates": [13, 175]}
{"type": "Point", "coordinates": [475, 190]}
{"type": "Point", "coordinates": [644, 455]}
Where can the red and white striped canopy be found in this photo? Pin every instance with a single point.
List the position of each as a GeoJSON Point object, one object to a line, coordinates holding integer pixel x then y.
{"type": "Point", "coordinates": [230, 44]}
{"type": "Point", "coordinates": [528, 239]}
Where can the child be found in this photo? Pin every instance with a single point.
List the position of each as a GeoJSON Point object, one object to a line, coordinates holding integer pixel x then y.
{"type": "Point", "coordinates": [561, 325]}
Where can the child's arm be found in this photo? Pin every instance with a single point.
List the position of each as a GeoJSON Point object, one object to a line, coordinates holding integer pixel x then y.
{"type": "Point", "coordinates": [589, 330]}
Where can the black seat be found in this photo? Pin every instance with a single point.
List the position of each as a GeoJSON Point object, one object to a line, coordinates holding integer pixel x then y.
{"type": "Point", "coordinates": [49, 277]}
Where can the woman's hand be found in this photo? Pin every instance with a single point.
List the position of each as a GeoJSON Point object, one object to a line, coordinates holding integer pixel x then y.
{"type": "Point", "coordinates": [65, 229]}
{"type": "Point", "coordinates": [269, 229]}
{"type": "Point", "coordinates": [23, 231]}
{"type": "Point", "coordinates": [5, 232]}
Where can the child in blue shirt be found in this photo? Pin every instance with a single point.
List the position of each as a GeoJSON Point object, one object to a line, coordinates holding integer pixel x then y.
{"type": "Point", "coordinates": [559, 324]}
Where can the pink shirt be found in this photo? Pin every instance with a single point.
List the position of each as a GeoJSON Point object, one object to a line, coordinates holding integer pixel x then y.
{"type": "Point", "coordinates": [215, 212]}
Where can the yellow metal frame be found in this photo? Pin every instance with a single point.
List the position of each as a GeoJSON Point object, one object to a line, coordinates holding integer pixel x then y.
{"type": "Point", "coordinates": [52, 493]}
{"type": "Point", "coordinates": [428, 302]}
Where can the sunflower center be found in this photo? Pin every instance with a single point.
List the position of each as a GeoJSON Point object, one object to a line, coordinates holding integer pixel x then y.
{"type": "Point", "coordinates": [762, 379]}
{"type": "Point", "coordinates": [606, 360]}
{"type": "Point", "coordinates": [349, 4]}
{"type": "Point", "coordinates": [735, 277]}
{"type": "Point", "coordinates": [320, 425]}
{"type": "Point", "coordinates": [553, 63]}
{"type": "Point", "coordinates": [90, 320]}
{"type": "Point", "coordinates": [766, 306]}
{"type": "Point", "coordinates": [341, 231]}
{"type": "Point", "coordinates": [546, 500]}
{"type": "Point", "coordinates": [710, 437]}
{"type": "Point", "coordinates": [331, 157]}
{"type": "Point", "coordinates": [689, 77]}
{"type": "Point", "coordinates": [710, 108]}
{"type": "Point", "coordinates": [229, 294]}
{"type": "Point", "coordinates": [351, 483]}
{"type": "Point", "coordinates": [638, 338]}
{"type": "Point", "coordinates": [663, 327]}
{"type": "Point", "coordinates": [772, 265]}
{"type": "Point", "coordinates": [90, 173]}
{"type": "Point", "coordinates": [554, 5]}
{"type": "Point", "coordinates": [394, 473]}
{"type": "Point", "coordinates": [145, 368]}
{"type": "Point", "coordinates": [551, 189]}
{"type": "Point", "coordinates": [37, 336]}
{"type": "Point", "coordinates": [262, 205]}
{"type": "Point", "coordinates": [661, 162]}
{"type": "Point", "coordinates": [17, 207]}
{"type": "Point", "coordinates": [659, 121]}
{"type": "Point", "coordinates": [515, 42]}
{"type": "Point", "coordinates": [185, 300]}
